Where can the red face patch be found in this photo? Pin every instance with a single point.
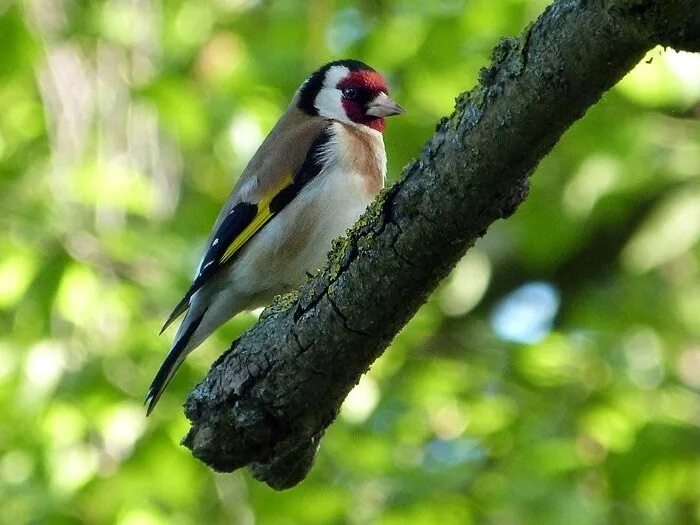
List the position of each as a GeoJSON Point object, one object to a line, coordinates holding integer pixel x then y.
{"type": "Point", "coordinates": [369, 80]}
{"type": "Point", "coordinates": [364, 85]}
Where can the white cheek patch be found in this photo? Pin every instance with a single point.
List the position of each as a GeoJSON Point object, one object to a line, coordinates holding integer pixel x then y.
{"type": "Point", "coordinates": [329, 99]}
{"type": "Point", "coordinates": [329, 104]}
{"type": "Point", "coordinates": [334, 75]}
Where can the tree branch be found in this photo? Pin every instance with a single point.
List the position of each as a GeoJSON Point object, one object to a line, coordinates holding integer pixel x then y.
{"type": "Point", "coordinates": [267, 402]}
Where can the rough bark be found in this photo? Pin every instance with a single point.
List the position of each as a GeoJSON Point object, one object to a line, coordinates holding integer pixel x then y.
{"type": "Point", "coordinates": [266, 403]}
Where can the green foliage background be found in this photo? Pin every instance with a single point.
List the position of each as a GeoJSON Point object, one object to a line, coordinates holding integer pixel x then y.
{"type": "Point", "coordinates": [123, 124]}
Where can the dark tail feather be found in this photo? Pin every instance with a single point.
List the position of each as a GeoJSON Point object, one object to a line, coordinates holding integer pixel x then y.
{"type": "Point", "coordinates": [170, 365]}
{"type": "Point", "coordinates": [181, 307]}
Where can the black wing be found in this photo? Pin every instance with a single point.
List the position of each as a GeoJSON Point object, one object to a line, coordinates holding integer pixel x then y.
{"type": "Point", "coordinates": [246, 219]}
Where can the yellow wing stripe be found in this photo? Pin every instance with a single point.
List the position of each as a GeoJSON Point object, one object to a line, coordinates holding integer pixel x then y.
{"type": "Point", "coordinates": [261, 218]}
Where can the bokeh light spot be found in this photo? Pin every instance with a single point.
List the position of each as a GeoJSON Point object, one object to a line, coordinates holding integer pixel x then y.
{"type": "Point", "coordinates": [526, 315]}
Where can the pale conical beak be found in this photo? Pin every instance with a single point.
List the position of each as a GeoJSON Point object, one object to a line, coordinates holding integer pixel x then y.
{"type": "Point", "coordinates": [383, 106]}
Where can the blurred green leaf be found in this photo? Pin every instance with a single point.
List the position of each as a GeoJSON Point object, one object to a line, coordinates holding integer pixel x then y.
{"type": "Point", "coordinates": [123, 127]}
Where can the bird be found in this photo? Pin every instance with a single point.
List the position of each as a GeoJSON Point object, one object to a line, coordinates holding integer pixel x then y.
{"type": "Point", "coordinates": [311, 179]}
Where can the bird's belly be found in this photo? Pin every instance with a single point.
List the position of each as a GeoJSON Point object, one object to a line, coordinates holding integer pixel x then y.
{"type": "Point", "coordinates": [297, 241]}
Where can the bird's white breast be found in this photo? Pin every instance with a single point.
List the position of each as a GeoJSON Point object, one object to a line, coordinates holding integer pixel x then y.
{"type": "Point", "coordinates": [298, 239]}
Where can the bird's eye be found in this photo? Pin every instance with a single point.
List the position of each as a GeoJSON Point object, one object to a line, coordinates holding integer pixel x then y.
{"type": "Point", "coordinates": [350, 93]}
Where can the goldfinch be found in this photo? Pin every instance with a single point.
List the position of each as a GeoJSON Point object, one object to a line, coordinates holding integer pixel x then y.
{"type": "Point", "coordinates": [311, 179]}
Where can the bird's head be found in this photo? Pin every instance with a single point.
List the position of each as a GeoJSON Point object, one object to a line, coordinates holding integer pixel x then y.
{"type": "Point", "coordinates": [348, 91]}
